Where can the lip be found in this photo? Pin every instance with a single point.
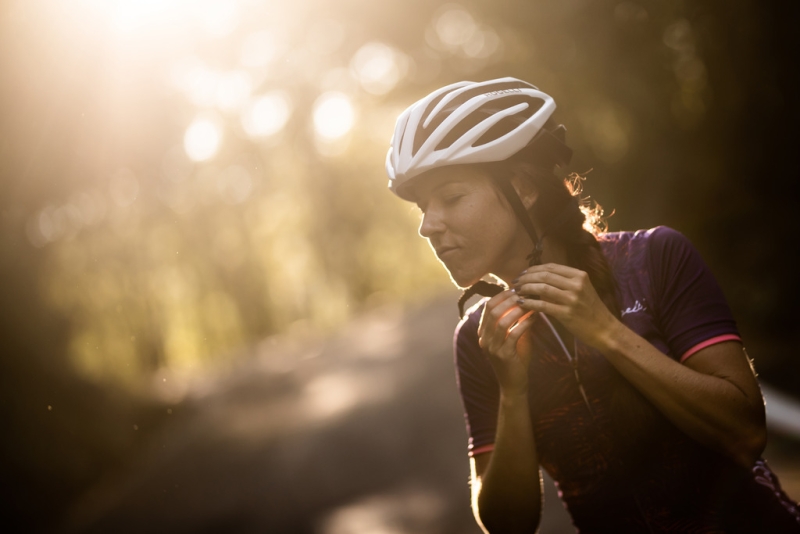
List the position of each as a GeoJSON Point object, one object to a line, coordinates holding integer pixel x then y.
{"type": "Point", "coordinates": [442, 251]}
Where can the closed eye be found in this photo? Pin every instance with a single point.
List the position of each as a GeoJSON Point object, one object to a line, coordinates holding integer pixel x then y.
{"type": "Point", "coordinates": [452, 199]}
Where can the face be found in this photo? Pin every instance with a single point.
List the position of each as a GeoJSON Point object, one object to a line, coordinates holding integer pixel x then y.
{"type": "Point", "coordinates": [470, 228]}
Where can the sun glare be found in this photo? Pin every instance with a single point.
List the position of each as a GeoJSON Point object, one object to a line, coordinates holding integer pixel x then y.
{"type": "Point", "coordinates": [128, 16]}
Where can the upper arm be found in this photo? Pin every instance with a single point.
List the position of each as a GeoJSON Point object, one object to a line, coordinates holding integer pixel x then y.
{"type": "Point", "coordinates": [689, 305]}
{"type": "Point", "coordinates": [729, 361]}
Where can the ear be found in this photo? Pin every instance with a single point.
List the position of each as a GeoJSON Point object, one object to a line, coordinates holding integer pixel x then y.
{"type": "Point", "coordinates": [525, 189]}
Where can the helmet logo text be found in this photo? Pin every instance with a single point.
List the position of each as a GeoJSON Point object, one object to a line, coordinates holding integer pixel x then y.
{"type": "Point", "coordinates": [504, 92]}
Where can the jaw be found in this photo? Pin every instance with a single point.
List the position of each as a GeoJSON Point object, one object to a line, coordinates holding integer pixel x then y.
{"type": "Point", "coordinates": [469, 267]}
{"type": "Point", "coordinates": [464, 275]}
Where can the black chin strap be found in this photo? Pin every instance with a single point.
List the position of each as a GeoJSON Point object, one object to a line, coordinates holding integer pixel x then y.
{"type": "Point", "coordinates": [535, 257]}
{"type": "Point", "coordinates": [487, 289]}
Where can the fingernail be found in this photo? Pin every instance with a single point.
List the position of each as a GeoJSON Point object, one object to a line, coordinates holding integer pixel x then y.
{"type": "Point", "coordinates": [521, 301]}
{"type": "Point", "coordinates": [513, 289]}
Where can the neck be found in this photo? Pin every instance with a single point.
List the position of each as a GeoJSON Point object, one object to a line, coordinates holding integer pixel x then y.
{"type": "Point", "coordinates": [553, 251]}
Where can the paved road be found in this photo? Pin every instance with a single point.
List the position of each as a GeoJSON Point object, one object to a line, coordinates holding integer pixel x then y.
{"type": "Point", "coordinates": [358, 434]}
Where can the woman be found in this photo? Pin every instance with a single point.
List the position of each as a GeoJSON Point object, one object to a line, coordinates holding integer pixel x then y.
{"type": "Point", "coordinates": [611, 360]}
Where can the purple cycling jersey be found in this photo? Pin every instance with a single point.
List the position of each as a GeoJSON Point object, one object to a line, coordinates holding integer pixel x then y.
{"type": "Point", "coordinates": [623, 467]}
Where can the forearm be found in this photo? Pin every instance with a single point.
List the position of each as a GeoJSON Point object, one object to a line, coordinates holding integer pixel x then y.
{"type": "Point", "coordinates": [707, 407]}
{"type": "Point", "coordinates": [507, 497]}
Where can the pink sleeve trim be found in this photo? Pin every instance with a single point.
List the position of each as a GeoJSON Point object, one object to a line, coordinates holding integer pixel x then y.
{"type": "Point", "coordinates": [708, 343]}
{"type": "Point", "coordinates": [481, 450]}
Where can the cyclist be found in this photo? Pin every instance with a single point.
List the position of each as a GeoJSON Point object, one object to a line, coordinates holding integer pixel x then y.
{"type": "Point", "coordinates": [609, 359]}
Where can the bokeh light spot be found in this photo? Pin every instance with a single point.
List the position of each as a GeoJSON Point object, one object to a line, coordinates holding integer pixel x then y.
{"type": "Point", "coordinates": [333, 115]}
{"type": "Point", "coordinates": [378, 67]}
{"type": "Point", "coordinates": [267, 115]}
{"type": "Point", "coordinates": [455, 25]}
{"type": "Point", "coordinates": [202, 139]}
{"type": "Point", "coordinates": [679, 36]}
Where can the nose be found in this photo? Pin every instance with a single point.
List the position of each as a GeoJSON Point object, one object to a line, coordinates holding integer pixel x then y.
{"type": "Point", "coordinates": [432, 223]}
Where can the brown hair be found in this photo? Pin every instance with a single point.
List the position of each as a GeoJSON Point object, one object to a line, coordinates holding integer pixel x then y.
{"type": "Point", "coordinates": [580, 225]}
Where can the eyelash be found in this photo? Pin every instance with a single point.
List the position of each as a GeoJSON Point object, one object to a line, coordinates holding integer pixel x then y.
{"type": "Point", "coordinates": [447, 201]}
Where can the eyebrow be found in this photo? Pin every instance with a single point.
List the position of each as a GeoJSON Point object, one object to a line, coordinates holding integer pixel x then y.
{"type": "Point", "coordinates": [437, 187]}
{"type": "Point", "coordinates": [446, 183]}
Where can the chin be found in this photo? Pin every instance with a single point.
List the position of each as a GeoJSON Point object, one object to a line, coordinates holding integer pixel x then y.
{"type": "Point", "coordinates": [462, 279]}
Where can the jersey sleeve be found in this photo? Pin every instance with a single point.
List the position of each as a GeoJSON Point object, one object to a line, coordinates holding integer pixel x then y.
{"type": "Point", "coordinates": [480, 392]}
{"type": "Point", "coordinates": [691, 310]}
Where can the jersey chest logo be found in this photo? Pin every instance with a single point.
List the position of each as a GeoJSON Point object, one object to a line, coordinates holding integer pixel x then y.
{"type": "Point", "coordinates": [636, 308]}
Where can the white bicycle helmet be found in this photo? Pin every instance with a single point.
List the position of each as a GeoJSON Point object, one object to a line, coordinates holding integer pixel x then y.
{"type": "Point", "coordinates": [485, 122]}
{"type": "Point", "coordinates": [466, 122]}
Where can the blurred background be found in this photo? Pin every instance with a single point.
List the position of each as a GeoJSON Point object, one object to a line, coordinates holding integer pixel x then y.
{"type": "Point", "coordinates": [215, 318]}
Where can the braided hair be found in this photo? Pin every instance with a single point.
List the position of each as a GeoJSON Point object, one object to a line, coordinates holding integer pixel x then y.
{"type": "Point", "coordinates": [566, 217]}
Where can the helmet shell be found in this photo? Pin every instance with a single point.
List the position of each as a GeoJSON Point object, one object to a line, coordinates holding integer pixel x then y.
{"type": "Point", "coordinates": [466, 122]}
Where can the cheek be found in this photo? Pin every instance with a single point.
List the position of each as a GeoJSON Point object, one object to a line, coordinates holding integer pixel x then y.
{"type": "Point", "coordinates": [494, 226]}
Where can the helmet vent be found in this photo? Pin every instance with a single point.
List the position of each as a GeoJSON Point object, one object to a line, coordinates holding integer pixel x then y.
{"type": "Point", "coordinates": [489, 109]}
{"type": "Point", "coordinates": [460, 99]}
{"type": "Point", "coordinates": [422, 134]}
{"type": "Point", "coordinates": [509, 123]}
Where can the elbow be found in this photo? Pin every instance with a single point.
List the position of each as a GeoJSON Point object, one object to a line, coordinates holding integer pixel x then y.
{"type": "Point", "coordinates": [750, 446]}
{"type": "Point", "coordinates": [505, 525]}
{"type": "Point", "coordinates": [496, 521]}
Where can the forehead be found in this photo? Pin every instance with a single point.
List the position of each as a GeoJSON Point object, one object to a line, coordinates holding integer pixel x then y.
{"type": "Point", "coordinates": [427, 183]}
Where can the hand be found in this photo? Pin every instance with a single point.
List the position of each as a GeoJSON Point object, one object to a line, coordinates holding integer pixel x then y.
{"type": "Point", "coordinates": [501, 328]}
{"type": "Point", "coordinates": [566, 294]}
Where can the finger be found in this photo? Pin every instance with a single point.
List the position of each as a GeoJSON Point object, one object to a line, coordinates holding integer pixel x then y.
{"type": "Point", "coordinates": [547, 292]}
{"type": "Point", "coordinates": [494, 333]}
{"type": "Point", "coordinates": [496, 343]}
{"type": "Point", "coordinates": [495, 308]}
{"type": "Point", "coordinates": [546, 277]}
{"type": "Point", "coordinates": [499, 299]}
{"type": "Point", "coordinates": [551, 309]}
{"type": "Point", "coordinates": [564, 270]}
{"type": "Point", "coordinates": [522, 326]}
{"type": "Point", "coordinates": [508, 320]}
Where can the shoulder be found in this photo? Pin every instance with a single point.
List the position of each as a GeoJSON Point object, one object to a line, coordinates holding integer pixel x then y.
{"type": "Point", "coordinates": [468, 355]}
{"type": "Point", "coordinates": [664, 236]}
{"type": "Point", "coordinates": [649, 235]}
{"type": "Point", "coordinates": [467, 328]}
{"type": "Point", "coordinates": [628, 244]}
{"type": "Point", "coordinates": [669, 249]}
